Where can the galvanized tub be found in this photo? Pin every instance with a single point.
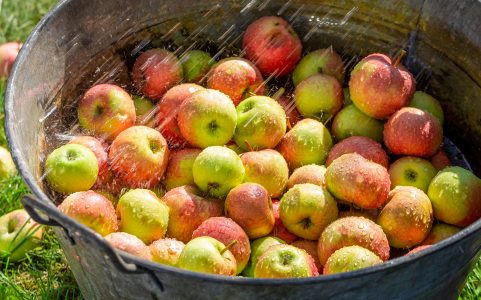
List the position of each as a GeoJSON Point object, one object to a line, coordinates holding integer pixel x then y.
{"type": "Point", "coordinates": [82, 42]}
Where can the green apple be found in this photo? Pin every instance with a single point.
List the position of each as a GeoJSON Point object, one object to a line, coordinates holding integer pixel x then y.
{"type": "Point", "coordinates": [456, 196]}
{"type": "Point", "coordinates": [196, 64]}
{"type": "Point", "coordinates": [350, 121]}
{"type": "Point", "coordinates": [207, 118]}
{"type": "Point", "coordinates": [259, 247]}
{"type": "Point", "coordinates": [319, 97]}
{"type": "Point", "coordinates": [217, 170]}
{"type": "Point", "coordinates": [428, 103]}
{"type": "Point", "coordinates": [285, 261]}
{"type": "Point", "coordinates": [71, 168]}
{"type": "Point", "coordinates": [267, 168]}
{"type": "Point", "coordinates": [92, 210]}
{"type": "Point", "coordinates": [7, 166]}
{"type": "Point", "coordinates": [142, 105]}
{"type": "Point", "coordinates": [350, 258]}
{"type": "Point", "coordinates": [261, 123]}
{"type": "Point", "coordinates": [18, 234]}
{"type": "Point", "coordinates": [166, 251]}
{"type": "Point", "coordinates": [179, 169]}
{"type": "Point", "coordinates": [321, 61]}
{"type": "Point", "coordinates": [207, 255]}
{"type": "Point", "coordinates": [308, 142]}
{"type": "Point", "coordinates": [306, 209]}
{"type": "Point", "coordinates": [412, 171]}
{"type": "Point", "coordinates": [440, 232]}
{"type": "Point", "coordinates": [143, 214]}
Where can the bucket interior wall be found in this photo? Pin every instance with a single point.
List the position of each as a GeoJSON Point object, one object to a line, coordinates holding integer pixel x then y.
{"type": "Point", "coordinates": [86, 42]}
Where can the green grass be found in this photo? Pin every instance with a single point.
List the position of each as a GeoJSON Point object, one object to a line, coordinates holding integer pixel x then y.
{"type": "Point", "coordinates": [44, 274]}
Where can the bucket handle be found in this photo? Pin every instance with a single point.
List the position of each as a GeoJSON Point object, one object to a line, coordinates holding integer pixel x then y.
{"type": "Point", "coordinates": [47, 214]}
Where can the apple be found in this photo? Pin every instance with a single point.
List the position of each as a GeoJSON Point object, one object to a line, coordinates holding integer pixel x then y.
{"type": "Point", "coordinates": [106, 110]}
{"type": "Point", "coordinates": [145, 111]}
{"type": "Point", "coordinates": [230, 234]}
{"type": "Point", "coordinates": [350, 121]}
{"type": "Point", "coordinates": [71, 168]}
{"type": "Point", "coordinates": [349, 259]}
{"type": "Point", "coordinates": [354, 179]}
{"type": "Point", "coordinates": [429, 104]}
{"type": "Point", "coordinates": [417, 249]}
{"type": "Point", "coordinates": [306, 143]}
{"type": "Point", "coordinates": [440, 232]}
{"type": "Point", "coordinates": [267, 168]}
{"type": "Point", "coordinates": [7, 166]}
{"type": "Point", "coordinates": [379, 87]}
{"type": "Point", "coordinates": [350, 231]}
{"type": "Point", "coordinates": [111, 197]}
{"type": "Point", "coordinates": [250, 206]}
{"type": "Point", "coordinates": [411, 131]}
{"type": "Point", "coordinates": [319, 97]}
{"type": "Point", "coordinates": [370, 214]}
{"type": "Point", "coordinates": [195, 65]}
{"type": "Point", "coordinates": [207, 118]}
{"type": "Point", "coordinates": [138, 157]}
{"type": "Point", "coordinates": [143, 214]}
{"type": "Point", "coordinates": [207, 255]}
{"type": "Point", "coordinates": [456, 196]}
{"type": "Point", "coordinates": [306, 209]}
{"type": "Point", "coordinates": [311, 248]}
{"type": "Point", "coordinates": [92, 210]}
{"type": "Point", "coordinates": [179, 169]}
{"type": "Point", "coordinates": [259, 247]}
{"type": "Point", "coordinates": [412, 171]}
{"type": "Point", "coordinates": [18, 234]}
{"type": "Point", "coordinates": [321, 61]}
{"type": "Point", "coordinates": [285, 261]}
{"type": "Point", "coordinates": [99, 148]}
{"type": "Point", "coordinates": [314, 174]}
{"type": "Point", "coordinates": [8, 54]}
{"type": "Point", "coordinates": [236, 77]}
{"type": "Point", "coordinates": [279, 229]}
{"type": "Point", "coordinates": [130, 244]}
{"type": "Point", "coordinates": [289, 105]}
{"type": "Point", "coordinates": [155, 71]}
{"type": "Point", "coordinates": [187, 210]}
{"type": "Point", "coordinates": [217, 170]}
{"type": "Point", "coordinates": [261, 123]}
{"type": "Point", "coordinates": [364, 146]}
{"type": "Point", "coordinates": [407, 217]}
{"type": "Point", "coordinates": [441, 160]}
{"type": "Point", "coordinates": [166, 251]}
{"type": "Point", "coordinates": [274, 47]}
{"type": "Point", "coordinates": [168, 110]}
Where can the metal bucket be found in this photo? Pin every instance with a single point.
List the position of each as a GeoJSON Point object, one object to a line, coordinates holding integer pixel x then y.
{"type": "Point", "coordinates": [81, 42]}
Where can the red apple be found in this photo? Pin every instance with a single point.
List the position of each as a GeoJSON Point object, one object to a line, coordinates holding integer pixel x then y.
{"type": "Point", "coordinates": [236, 77]}
{"type": "Point", "coordinates": [139, 157]}
{"type": "Point", "coordinates": [155, 71]}
{"type": "Point", "coordinates": [379, 88]}
{"type": "Point", "coordinates": [411, 131]}
{"type": "Point", "coordinates": [361, 145]}
{"type": "Point", "coordinates": [8, 54]}
{"type": "Point", "coordinates": [106, 110]}
{"type": "Point", "coordinates": [179, 170]}
{"type": "Point", "coordinates": [271, 43]}
{"type": "Point", "coordinates": [130, 244]}
{"type": "Point", "coordinates": [279, 230]}
{"type": "Point", "coordinates": [188, 209]}
{"type": "Point", "coordinates": [168, 109]}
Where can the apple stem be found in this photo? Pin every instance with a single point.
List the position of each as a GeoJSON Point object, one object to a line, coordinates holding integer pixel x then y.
{"type": "Point", "coordinates": [279, 93]}
{"type": "Point", "coordinates": [228, 246]}
{"type": "Point", "coordinates": [249, 146]}
{"type": "Point", "coordinates": [401, 55]}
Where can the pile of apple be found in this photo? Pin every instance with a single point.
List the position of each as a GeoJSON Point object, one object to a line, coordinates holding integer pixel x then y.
{"type": "Point", "coordinates": [213, 176]}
